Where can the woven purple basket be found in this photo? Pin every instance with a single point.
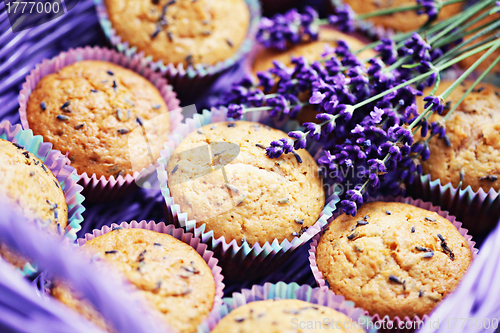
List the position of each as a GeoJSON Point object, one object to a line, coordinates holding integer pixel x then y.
{"type": "Point", "coordinates": [22, 310]}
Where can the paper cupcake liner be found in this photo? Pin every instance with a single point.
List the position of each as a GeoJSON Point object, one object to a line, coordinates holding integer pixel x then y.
{"type": "Point", "coordinates": [283, 290]}
{"type": "Point", "coordinates": [193, 78]}
{"type": "Point", "coordinates": [238, 261]}
{"type": "Point", "coordinates": [396, 324]}
{"type": "Point", "coordinates": [177, 233]}
{"type": "Point", "coordinates": [102, 189]}
{"type": "Point", "coordinates": [65, 174]}
{"type": "Point", "coordinates": [478, 210]}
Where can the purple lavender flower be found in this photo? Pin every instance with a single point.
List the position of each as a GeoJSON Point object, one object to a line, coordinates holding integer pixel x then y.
{"type": "Point", "coordinates": [387, 50]}
{"type": "Point", "coordinates": [280, 147]}
{"type": "Point", "coordinates": [283, 30]}
{"type": "Point", "coordinates": [417, 47]}
{"type": "Point", "coordinates": [300, 139]}
{"type": "Point", "coordinates": [235, 111]}
{"type": "Point", "coordinates": [430, 7]}
{"type": "Point", "coordinates": [354, 198]}
{"type": "Point", "coordinates": [376, 115]}
{"type": "Point", "coordinates": [437, 128]}
{"type": "Point", "coordinates": [343, 18]}
{"type": "Point", "coordinates": [400, 133]}
{"type": "Point", "coordinates": [435, 103]}
{"type": "Point", "coordinates": [314, 130]}
{"type": "Point", "coordinates": [266, 81]}
{"type": "Point", "coordinates": [280, 106]}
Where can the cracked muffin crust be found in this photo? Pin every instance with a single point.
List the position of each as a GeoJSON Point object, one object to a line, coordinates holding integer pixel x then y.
{"type": "Point", "coordinates": [183, 31]}
{"type": "Point", "coordinates": [472, 131]}
{"type": "Point", "coordinates": [287, 315]}
{"type": "Point", "coordinates": [97, 112]}
{"type": "Point", "coordinates": [167, 273]}
{"type": "Point", "coordinates": [30, 185]}
{"type": "Point", "coordinates": [311, 51]}
{"type": "Point", "coordinates": [401, 21]}
{"type": "Point", "coordinates": [393, 259]}
{"type": "Point", "coordinates": [220, 175]}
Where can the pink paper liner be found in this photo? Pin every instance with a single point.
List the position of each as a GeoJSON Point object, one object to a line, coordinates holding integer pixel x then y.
{"type": "Point", "coordinates": [238, 261]}
{"type": "Point", "coordinates": [179, 234]}
{"type": "Point", "coordinates": [283, 290]}
{"type": "Point", "coordinates": [102, 189]}
{"type": "Point", "coordinates": [396, 321]}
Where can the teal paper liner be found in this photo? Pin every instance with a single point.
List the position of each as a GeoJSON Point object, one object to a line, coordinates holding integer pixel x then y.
{"type": "Point", "coordinates": [293, 291]}
{"type": "Point", "coordinates": [238, 261]}
{"type": "Point", "coordinates": [193, 78]}
{"type": "Point", "coordinates": [57, 164]}
{"type": "Point", "coordinates": [399, 325]}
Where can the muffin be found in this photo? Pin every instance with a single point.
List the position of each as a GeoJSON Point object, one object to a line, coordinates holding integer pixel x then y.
{"type": "Point", "coordinates": [285, 315]}
{"type": "Point", "coordinates": [311, 50]}
{"type": "Point", "coordinates": [98, 113]}
{"type": "Point", "coordinates": [401, 21]}
{"type": "Point", "coordinates": [470, 154]}
{"type": "Point", "coordinates": [165, 272]}
{"type": "Point", "coordinates": [30, 185]}
{"type": "Point", "coordinates": [181, 32]}
{"type": "Point", "coordinates": [393, 259]}
{"type": "Point", "coordinates": [237, 191]}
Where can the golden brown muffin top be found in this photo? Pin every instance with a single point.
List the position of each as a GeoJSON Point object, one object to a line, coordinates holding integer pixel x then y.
{"type": "Point", "coordinates": [286, 315]}
{"type": "Point", "coordinates": [32, 186]}
{"type": "Point", "coordinates": [169, 274]}
{"type": "Point", "coordinates": [473, 133]}
{"type": "Point", "coordinates": [311, 50]}
{"type": "Point", "coordinates": [401, 21]}
{"type": "Point", "coordinates": [93, 110]}
{"type": "Point", "coordinates": [182, 31]}
{"type": "Point", "coordinates": [393, 259]}
{"type": "Point", "coordinates": [237, 190]}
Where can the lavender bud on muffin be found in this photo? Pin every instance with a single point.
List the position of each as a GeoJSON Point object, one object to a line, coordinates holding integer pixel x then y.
{"type": "Point", "coordinates": [165, 273]}
{"type": "Point", "coordinates": [98, 113]}
{"type": "Point", "coordinates": [183, 31]}
{"type": "Point", "coordinates": [286, 315]}
{"type": "Point", "coordinates": [393, 259]}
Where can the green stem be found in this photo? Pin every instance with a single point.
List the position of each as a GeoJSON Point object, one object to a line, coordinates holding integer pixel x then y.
{"type": "Point", "coordinates": [425, 75]}
{"type": "Point", "coordinates": [457, 22]}
{"type": "Point", "coordinates": [388, 11]}
{"type": "Point", "coordinates": [479, 79]}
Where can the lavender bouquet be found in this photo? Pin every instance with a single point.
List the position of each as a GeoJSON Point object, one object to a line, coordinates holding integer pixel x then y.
{"type": "Point", "coordinates": [367, 115]}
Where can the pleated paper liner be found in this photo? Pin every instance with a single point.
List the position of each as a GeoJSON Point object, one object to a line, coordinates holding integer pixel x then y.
{"type": "Point", "coordinates": [478, 210]}
{"type": "Point", "coordinates": [193, 79]}
{"type": "Point", "coordinates": [396, 324]}
{"type": "Point", "coordinates": [291, 291]}
{"type": "Point", "coordinates": [238, 261]}
{"type": "Point", "coordinates": [177, 233]}
{"type": "Point", "coordinates": [57, 164]}
{"type": "Point", "coordinates": [103, 189]}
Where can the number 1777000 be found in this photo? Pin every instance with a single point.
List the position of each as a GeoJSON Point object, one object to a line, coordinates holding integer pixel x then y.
{"type": "Point", "coordinates": [32, 7]}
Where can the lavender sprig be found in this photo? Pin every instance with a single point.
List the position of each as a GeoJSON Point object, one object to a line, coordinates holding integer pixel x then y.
{"type": "Point", "coordinates": [283, 30]}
